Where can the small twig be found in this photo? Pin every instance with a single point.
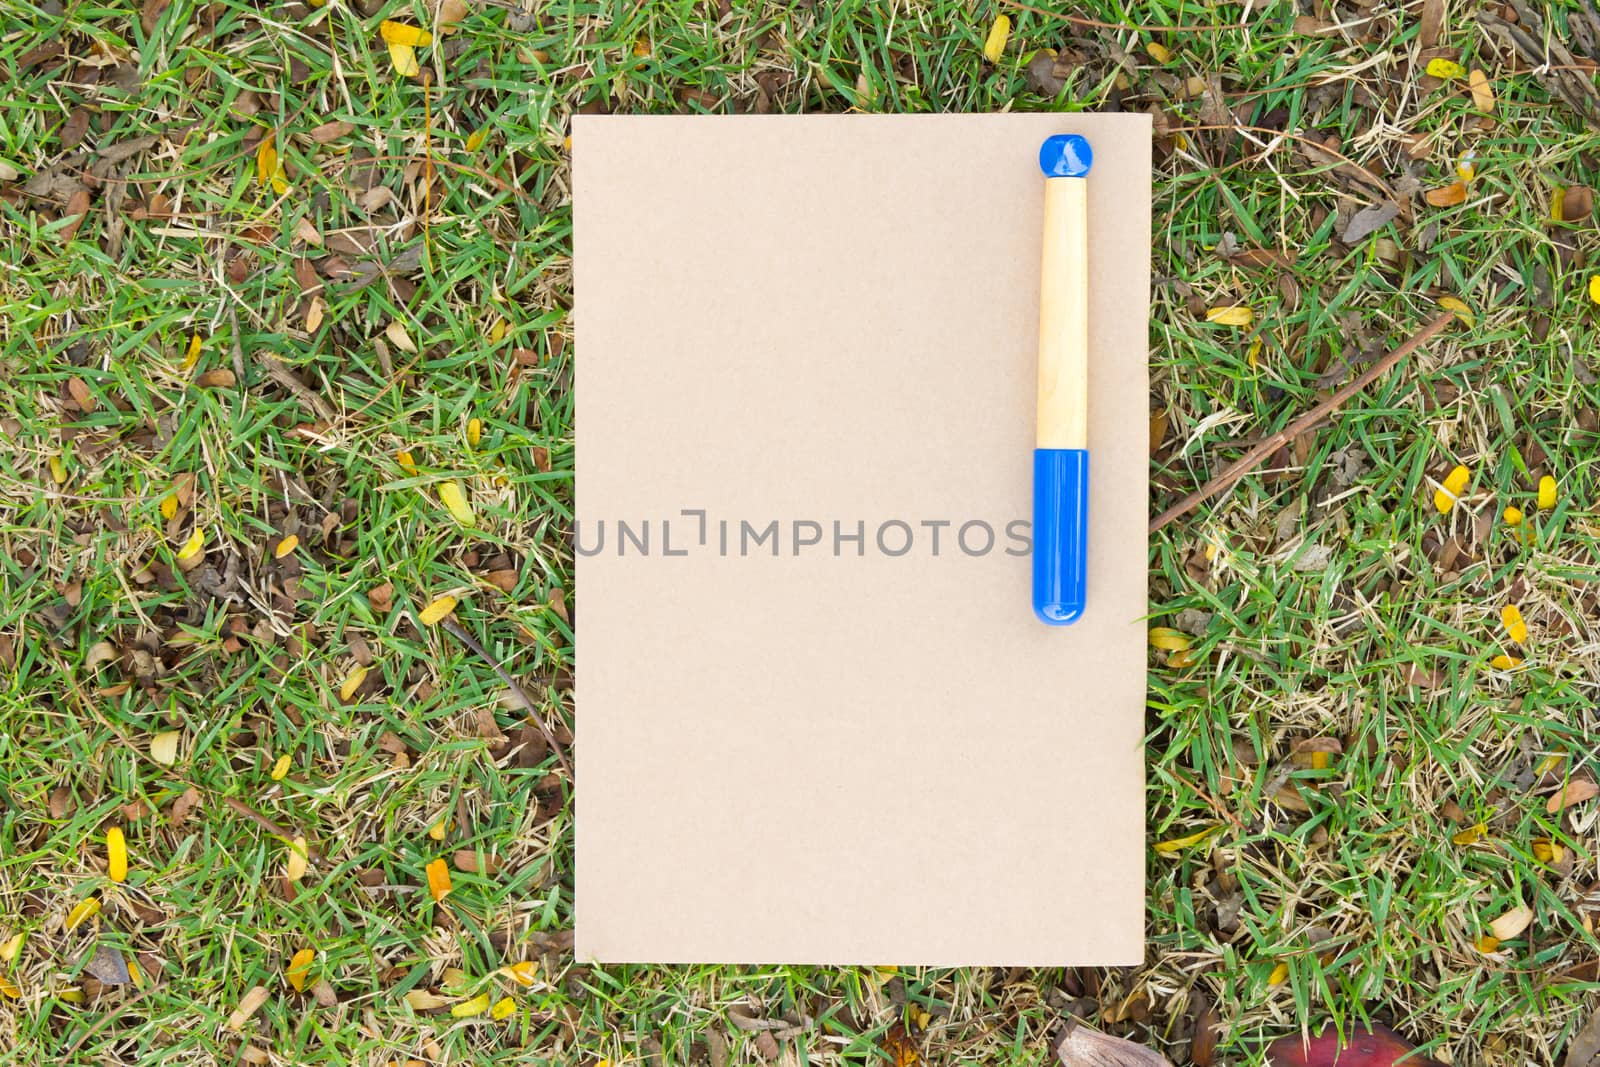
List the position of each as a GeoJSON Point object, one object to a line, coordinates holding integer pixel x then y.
{"type": "Point", "coordinates": [268, 825]}
{"type": "Point", "coordinates": [106, 1020]}
{"type": "Point", "coordinates": [279, 372]}
{"type": "Point", "coordinates": [455, 630]}
{"type": "Point", "coordinates": [1253, 458]}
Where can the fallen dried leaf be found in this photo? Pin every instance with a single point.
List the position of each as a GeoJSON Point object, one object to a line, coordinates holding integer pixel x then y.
{"type": "Point", "coordinates": [1083, 1047]}
{"type": "Point", "coordinates": [1512, 923]}
{"type": "Point", "coordinates": [1369, 220]}
{"type": "Point", "coordinates": [1575, 791]}
{"type": "Point", "coordinates": [1447, 195]}
{"type": "Point", "coordinates": [249, 1004]}
{"type": "Point", "coordinates": [164, 747]}
{"type": "Point", "coordinates": [424, 1000]}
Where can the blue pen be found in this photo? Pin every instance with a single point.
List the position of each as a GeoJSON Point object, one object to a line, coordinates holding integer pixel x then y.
{"type": "Point", "coordinates": [1061, 444]}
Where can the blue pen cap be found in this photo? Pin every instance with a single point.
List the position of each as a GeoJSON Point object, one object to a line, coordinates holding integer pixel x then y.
{"type": "Point", "coordinates": [1060, 533]}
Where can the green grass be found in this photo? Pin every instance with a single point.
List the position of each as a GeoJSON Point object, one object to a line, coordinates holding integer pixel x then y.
{"type": "Point", "coordinates": [1357, 886]}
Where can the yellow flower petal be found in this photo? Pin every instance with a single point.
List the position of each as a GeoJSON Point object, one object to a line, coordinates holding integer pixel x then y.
{"type": "Point", "coordinates": [467, 1008]}
{"type": "Point", "coordinates": [169, 505]}
{"type": "Point", "coordinates": [1445, 69]}
{"type": "Point", "coordinates": [1457, 479]}
{"type": "Point", "coordinates": [12, 947]}
{"type": "Point", "coordinates": [1547, 493]}
{"type": "Point", "coordinates": [58, 470]}
{"type": "Point", "coordinates": [1487, 944]}
{"type": "Point", "coordinates": [1511, 619]}
{"type": "Point", "coordinates": [403, 33]}
{"type": "Point", "coordinates": [351, 683]}
{"type": "Point", "coordinates": [286, 546]}
{"type": "Point", "coordinates": [9, 988]}
{"type": "Point", "coordinates": [1594, 287]}
{"type": "Point", "coordinates": [1547, 851]}
{"type": "Point", "coordinates": [437, 610]}
{"type": "Point", "coordinates": [994, 47]}
{"type": "Point", "coordinates": [1279, 975]}
{"type": "Point", "coordinates": [474, 432]}
{"type": "Point", "coordinates": [404, 59]}
{"type": "Point", "coordinates": [1459, 306]}
{"type": "Point", "coordinates": [1471, 835]}
{"type": "Point", "coordinates": [1168, 640]}
{"type": "Point", "coordinates": [1482, 92]}
{"type": "Point", "coordinates": [294, 868]}
{"type": "Point", "coordinates": [1506, 663]}
{"type": "Point", "coordinates": [164, 747]}
{"type": "Point", "coordinates": [116, 855]}
{"type": "Point", "coordinates": [503, 1008]}
{"type": "Point", "coordinates": [523, 972]}
{"type": "Point", "coordinates": [439, 829]}
{"type": "Point", "coordinates": [299, 967]}
{"type": "Point", "coordinates": [192, 355]}
{"type": "Point", "coordinates": [82, 912]}
{"type": "Point", "coordinates": [194, 546]}
{"type": "Point", "coordinates": [1177, 844]}
{"type": "Point", "coordinates": [1231, 315]}
{"type": "Point", "coordinates": [266, 163]}
{"type": "Point", "coordinates": [1159, 52]}
{"type": "Point", "coordinates": [438, 879]}
{"type": "Point", "coordinates": [281, 767]}
{"type": "Point", "coordinates": [1513, 516]}
{"type": "Point", "coordinates": [476, 138]}
{"type": "Point", "coordinates": [407, 462]}
{"type": "Point", "coordinates": [455, 499]}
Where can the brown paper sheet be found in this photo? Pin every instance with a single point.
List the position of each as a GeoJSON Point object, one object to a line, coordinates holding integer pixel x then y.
{"type": "Point", "coordinates": [849, 753]}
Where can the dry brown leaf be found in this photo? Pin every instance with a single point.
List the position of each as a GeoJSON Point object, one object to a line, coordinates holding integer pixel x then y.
{"type": "Point", "coordinates": [221, 378]}
{"type": "Point", "coordinates": [1431, 23]}
{"type": "Point", "coordinates": [1577, 203]}
{"type": "Point", "coordinates": [331, 131]}
{"type": "Point", "coordinates": [184, 806]}
{"type": "Point", "coordinates": [1512, 922]}
{"type": "Point", "coordinates": [77, 211]}
{"type": "Point", "coordinates": [451, 12]}
{"type": "Point", "coordinates": [1083, 1047]}
{"type": "Point", "coordinates": [397, 335]}
{"type": "Point", "coordinates": [1576, 792]}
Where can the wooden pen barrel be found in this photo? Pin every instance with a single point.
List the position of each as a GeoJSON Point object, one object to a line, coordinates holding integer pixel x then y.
{"type": "Point", "coordinates": [1063, 411]}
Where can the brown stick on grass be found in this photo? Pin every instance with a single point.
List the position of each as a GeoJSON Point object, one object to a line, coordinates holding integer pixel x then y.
{"type": "Point", "coordinates": [1253, 458]}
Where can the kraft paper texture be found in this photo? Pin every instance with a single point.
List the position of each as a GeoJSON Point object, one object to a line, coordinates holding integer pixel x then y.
{"type": "Point", "coordinates": [817, 721]}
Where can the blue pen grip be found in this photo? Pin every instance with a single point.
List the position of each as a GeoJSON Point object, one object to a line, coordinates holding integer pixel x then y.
{"type": "Point", "coordinates": [1060, 533]}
